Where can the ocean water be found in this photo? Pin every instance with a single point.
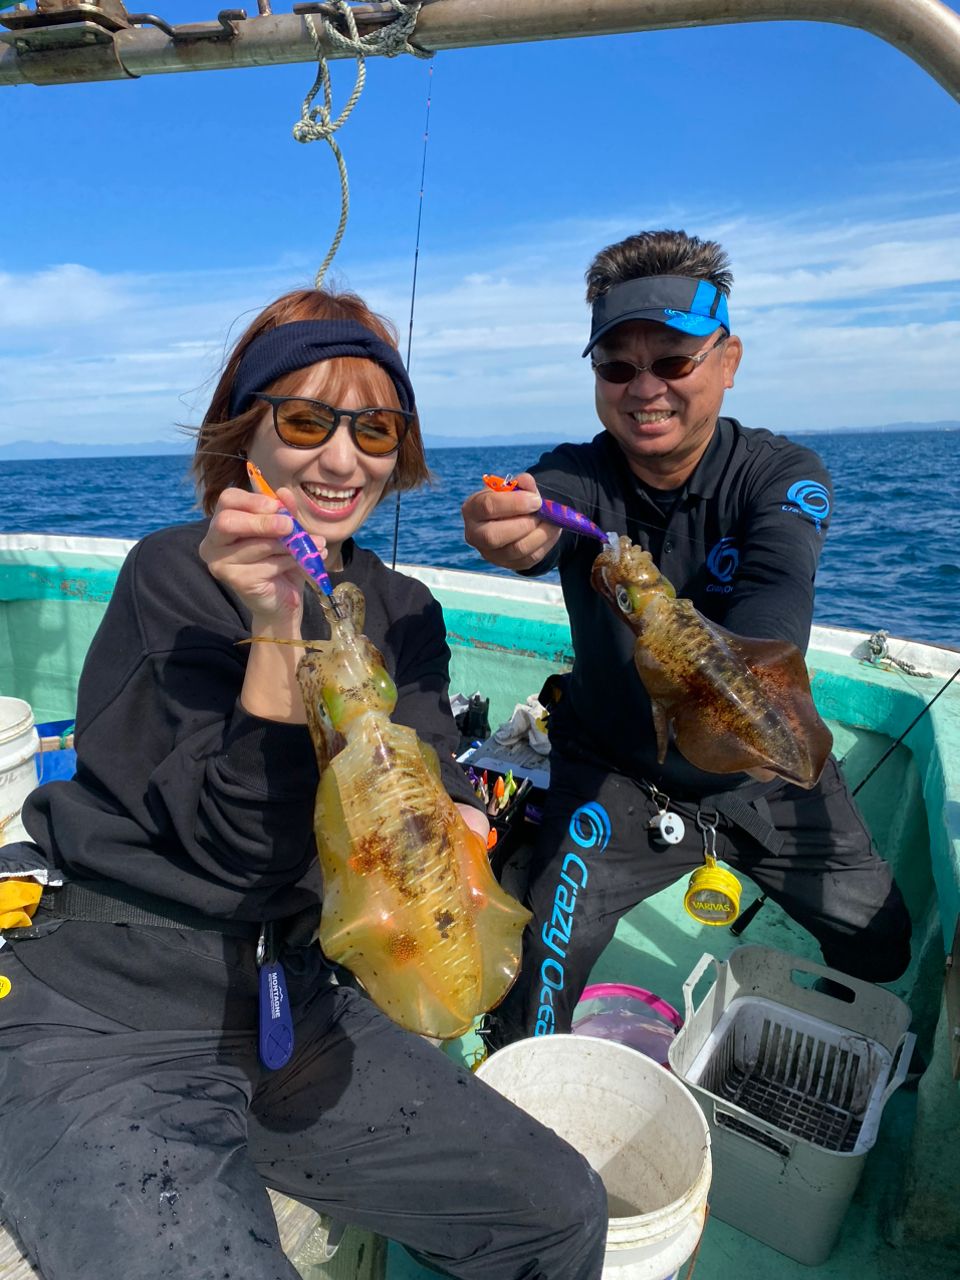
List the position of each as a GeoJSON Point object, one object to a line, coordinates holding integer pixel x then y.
{"type": "Point", "coordinates": [891, 560]}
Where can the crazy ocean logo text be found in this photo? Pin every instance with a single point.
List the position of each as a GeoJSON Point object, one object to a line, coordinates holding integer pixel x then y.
{"type": "Point", "coordinates": [589, 829]}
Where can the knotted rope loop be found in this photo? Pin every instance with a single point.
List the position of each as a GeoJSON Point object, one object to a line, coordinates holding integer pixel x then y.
{"type": "Point", "coordinates": [317, 123]}
{"type": "Point", "coordinates": [386, 41]}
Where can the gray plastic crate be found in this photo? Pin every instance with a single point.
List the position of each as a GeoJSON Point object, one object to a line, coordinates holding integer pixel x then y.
{"type": "Point", "coordinates": [793, 1082]}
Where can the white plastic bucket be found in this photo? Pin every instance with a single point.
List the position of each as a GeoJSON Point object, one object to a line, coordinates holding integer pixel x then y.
{"type": "Point", "coordinates": [19, 744]}
{"type": "Point", "coordinates": [637, 1125]}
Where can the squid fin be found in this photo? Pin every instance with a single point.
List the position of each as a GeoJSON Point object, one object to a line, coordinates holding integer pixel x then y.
{"type": "Point", "coordinates": [792, 743]}
{"type": "Point", "coordinates": [782, 671]}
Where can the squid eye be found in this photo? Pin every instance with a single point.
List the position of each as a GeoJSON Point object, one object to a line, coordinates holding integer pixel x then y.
{"type": "Point", "coordinates": [623, 599]}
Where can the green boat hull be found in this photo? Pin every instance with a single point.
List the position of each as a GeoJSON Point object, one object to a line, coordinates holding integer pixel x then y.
{"type": "Point", "coordinates": [506, 636]}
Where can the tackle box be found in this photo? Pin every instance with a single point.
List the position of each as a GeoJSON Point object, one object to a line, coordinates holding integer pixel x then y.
{"type": "Point", "coordinates": [515, 823]}
{"type": "Point", "coordinates": [793, 1080]}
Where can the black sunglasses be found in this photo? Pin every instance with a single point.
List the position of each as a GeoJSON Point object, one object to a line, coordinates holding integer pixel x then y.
{"type": "Point", "coordinates": [669, 368]}
{"type": "Point", "coordinates": [307, 424]}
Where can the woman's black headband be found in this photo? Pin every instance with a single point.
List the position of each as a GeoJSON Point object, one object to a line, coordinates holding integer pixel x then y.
{"type": "Point", "coordinates": [304, 342]}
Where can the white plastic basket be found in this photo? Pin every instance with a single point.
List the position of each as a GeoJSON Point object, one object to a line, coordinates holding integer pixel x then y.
{"type": "Point", "coordinates": [793, 1082]}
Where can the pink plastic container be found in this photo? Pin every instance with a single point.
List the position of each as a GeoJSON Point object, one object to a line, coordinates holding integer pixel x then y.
{"type": "Point", "coordinates": [629, 1015]}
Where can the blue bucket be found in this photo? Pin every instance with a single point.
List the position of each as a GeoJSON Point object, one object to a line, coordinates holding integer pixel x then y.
{"type": "Point", "coordinates": [56, 760]}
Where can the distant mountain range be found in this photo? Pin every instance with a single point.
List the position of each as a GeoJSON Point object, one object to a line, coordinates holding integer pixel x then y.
{"type": "Point", "coordinates": [943, 425]}
{"type": "Point", "coordinates": [24, 450]}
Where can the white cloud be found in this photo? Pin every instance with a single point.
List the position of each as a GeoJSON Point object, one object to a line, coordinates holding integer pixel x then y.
{"type": "Point", "coordinates": [63, 296]}
{"type": "Point", "coordinates": [848, 319]}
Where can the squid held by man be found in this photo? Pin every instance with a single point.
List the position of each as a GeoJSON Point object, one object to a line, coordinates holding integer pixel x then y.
{"type": "Point", "coordinates": [734, 704]}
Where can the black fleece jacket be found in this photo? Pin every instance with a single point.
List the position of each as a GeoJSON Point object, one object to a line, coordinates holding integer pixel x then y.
{"type": "Point", "coordinates": [179, 791]}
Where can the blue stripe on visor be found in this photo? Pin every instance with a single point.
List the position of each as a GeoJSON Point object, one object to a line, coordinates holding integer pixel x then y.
{"type": "Point", "coordinates": [709, 301]}
{"type": "Point", "coordinates": [708, 310]}
{"type": "Point", "coordinates": [682, 302]}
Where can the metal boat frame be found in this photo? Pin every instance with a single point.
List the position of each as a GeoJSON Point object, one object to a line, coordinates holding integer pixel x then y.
{"type": "Point", "coordinates": [70, 41]}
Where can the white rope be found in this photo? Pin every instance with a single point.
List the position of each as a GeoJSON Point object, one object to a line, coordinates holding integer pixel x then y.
{"type": "Point", "coordinates": [317, 123]}
{"type": "Point", "coordinates": [880, 653]}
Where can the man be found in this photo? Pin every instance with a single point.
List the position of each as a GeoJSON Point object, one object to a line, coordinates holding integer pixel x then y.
{"type": "Point", "coordinates": [735, 519]}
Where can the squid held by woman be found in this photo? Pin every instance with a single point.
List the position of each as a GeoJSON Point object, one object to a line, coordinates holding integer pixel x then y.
{"type": "Point", "coordinates": [411, 906]}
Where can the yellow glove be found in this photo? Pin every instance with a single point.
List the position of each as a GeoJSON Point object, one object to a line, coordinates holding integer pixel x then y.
{"type": "Point", "coordinates": [18, 901]}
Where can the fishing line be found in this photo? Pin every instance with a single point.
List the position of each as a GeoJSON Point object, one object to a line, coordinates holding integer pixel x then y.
{"type": "Point", "coordinates": [893, 746]}
{"type": "Point", "coordinates": [219, 453]}
{"type": "Point", "coordinates": [738, 927]}
{"type": "Point", "coordinates": [413, 287]}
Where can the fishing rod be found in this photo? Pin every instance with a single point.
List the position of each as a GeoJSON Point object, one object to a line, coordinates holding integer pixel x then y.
{"type": "Point", "coordinates": [413, 286]}
{"type": "Point", "coordinates": [750, 912]}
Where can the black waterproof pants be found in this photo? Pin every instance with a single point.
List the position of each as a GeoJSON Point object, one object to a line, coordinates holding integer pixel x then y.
{"type": "Point", "coordinates": [596, 859]}
{"type": "Point", "coordinates": [145, 1152]}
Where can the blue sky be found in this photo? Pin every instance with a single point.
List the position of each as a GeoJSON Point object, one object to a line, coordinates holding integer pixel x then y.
{"type": "Point", "coordinates": [146, 221]}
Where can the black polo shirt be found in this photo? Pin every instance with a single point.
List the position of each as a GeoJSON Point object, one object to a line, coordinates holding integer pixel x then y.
{"type": "Point", "coordinates": [741, 539]}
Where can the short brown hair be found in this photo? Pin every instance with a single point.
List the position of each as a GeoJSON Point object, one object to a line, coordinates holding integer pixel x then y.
{"type": "Point", "coordinates": [658, 253]}
{"type": "Point", "coordinates": [220, 439]}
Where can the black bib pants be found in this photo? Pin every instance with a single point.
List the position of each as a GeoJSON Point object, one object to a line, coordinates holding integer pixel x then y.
{"type": "Point", "coordinates": [138, 1136]}
{"type": "Point", "coordinates": [596, 859]}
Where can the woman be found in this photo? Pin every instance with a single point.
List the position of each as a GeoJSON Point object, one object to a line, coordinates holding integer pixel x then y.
{"type": "Point", "coordinates": [138, 1129]}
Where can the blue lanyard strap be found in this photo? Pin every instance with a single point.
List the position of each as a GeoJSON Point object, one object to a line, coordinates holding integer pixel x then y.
{"type": "Point", "coordinates": [275, 1040]}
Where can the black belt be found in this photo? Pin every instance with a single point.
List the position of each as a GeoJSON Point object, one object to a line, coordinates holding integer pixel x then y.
{"type": "Point", "coordinates": [110, 902]}
{"type": "Point", "coordinates": [745, 806]}
{"type": "Point", "coordinates": [751, 815]}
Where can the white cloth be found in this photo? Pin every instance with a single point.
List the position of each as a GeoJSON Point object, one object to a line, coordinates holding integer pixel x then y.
{"type": "Point", "coordinates": [526, 726]}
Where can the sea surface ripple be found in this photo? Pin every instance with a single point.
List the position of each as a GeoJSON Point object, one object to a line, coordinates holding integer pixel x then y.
{"type": "Point", "coordinates": [891, 560]}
